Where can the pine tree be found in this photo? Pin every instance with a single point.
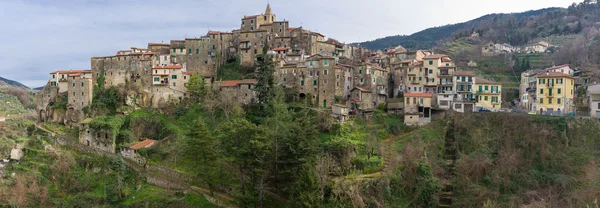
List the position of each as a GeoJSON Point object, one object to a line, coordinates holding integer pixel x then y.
{"type": "Point", "coordinates": [200, 154]}
{"type": "Point", "coordinates": [265, 86]}
{"type": "Point", "coordinates": [579, 28]}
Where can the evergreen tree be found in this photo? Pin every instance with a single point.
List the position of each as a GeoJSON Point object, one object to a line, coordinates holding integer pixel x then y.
{"type": "Point", "coordinates": [265, 86]}
{"type": "Point", "coordinates": [201, 155]}
{"type": "Point", "coordinates": [527, 66]}
{"type": "Point", "coordinates": [579, 28]}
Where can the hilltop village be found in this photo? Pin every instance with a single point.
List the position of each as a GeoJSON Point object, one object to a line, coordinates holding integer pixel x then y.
{"type": "Point", "coordinates": [344, 79]}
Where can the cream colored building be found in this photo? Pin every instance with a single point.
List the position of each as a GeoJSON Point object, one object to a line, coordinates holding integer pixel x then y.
{"type": "Point", "coordinates": [417, 108]}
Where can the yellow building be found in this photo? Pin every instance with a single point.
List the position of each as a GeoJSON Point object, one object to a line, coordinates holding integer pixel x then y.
{"type": "Point", "coordinates": [489, 94]}
{"type": "Point", "coordinates": [555, 93]}
{"type": "Point", "coordinates": [417, 108]}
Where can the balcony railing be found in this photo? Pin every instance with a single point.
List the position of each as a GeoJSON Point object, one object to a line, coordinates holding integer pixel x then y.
{"type": "Point", "coordinates": [463, 90]}
{"type": "Point", "coordinates": [488, 92]}
{"type": "Point", "coordinates": [445, 74]}
{"type": "Point", "coordinates": [531, 89]}
{"type": "Point", "coordinates": [445, 83]}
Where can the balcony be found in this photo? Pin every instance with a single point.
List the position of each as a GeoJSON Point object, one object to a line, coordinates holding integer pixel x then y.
{"type": "Point", "coordinates": [531, 89]}
{"type": "Point", "coordinates": [549, 94]}
{"type": "Point", "coordinates": [445, 83]}
{"type": "Point", "coordinates": [162, 82]}
{"type": "Point", "coordinates": [488, 92]}
{"type": "Point", "coordinates": [445, 74]}
{"type": "Point", "coordinates": [463, 90]}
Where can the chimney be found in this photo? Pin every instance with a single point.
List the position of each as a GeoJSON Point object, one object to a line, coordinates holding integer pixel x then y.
{"type": "Point", "coordinates": [547, 73]}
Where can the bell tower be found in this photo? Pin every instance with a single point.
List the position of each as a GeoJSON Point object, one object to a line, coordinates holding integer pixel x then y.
{"type": "Point", "coordinates": [269, 16]}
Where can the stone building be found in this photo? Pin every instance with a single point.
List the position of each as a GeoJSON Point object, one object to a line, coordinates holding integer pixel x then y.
{"type": "Point", "coordinates": [169, 84]}
{"type": "Point", "coordinates": [417, 108]}
{"type": "Point", "coordinates": [100, 139]}
{"type": "Point", "coordinates": [132, 152]}
{"type": "Point", "coordinates": [241, 91]}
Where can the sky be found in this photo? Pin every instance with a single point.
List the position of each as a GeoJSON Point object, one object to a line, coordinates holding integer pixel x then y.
{"type": "Point", "coordinates": [41, 36]}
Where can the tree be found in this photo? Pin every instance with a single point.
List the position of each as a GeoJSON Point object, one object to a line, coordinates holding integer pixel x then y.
{"type": "Point", "coordinates": [197, 87]}
{"type": "Point", "coordinates": [579, 28]}
{"type": "Point", "coordinates": [200, 154]}
{"type": "Point", "coordinates": [245, 144]}
{"type": "Point", "coordinates": [265, 86]}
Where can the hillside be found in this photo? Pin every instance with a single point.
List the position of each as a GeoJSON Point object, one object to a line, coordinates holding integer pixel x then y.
{"type": "Point", "coordinates": [7, 82]}
{"type": "Point", "coordinates": [431, 37]}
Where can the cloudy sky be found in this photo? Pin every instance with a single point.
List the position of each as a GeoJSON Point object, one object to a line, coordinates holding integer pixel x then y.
{"type": "Point", "coordinates": [41, 36]}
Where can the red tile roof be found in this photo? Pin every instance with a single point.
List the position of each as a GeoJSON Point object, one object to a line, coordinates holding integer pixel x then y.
{"type": "Point", "coordinates": [75, 75]}
{"type": "Point", "coordinates": [280, 49]}
{"type": "Point", "coordinates": [553, 74]}
{"type": "Point", "coordinates": [168, 67]}
{"type": "Point", "coordinates": [250, 17]}
{"type": "Point", "coordinates": [229, 83]}
{"type": "Point", "coordinates": [143, 144]}
{"type": "Point", "coordinates": [435, 56]}
{"type": "Point", "coordinates": [479, 80]}
{"type": "Point", "coordinates": [418, 95]}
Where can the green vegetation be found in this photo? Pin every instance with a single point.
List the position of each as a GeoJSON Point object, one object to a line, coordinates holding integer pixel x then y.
{"type": "Point", "coordinates": [106, 101]}
{"type": "Point", "coordinates": [232, 70]}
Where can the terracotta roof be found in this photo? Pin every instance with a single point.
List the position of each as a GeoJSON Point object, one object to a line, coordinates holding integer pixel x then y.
{"type": "Point", "coordinates": [292, 28]}
{"type": "Point", "coordinates": [435, 56]}
{"type": "Point", "coordinates": [553, 74]}
{"type": "Point", "coordinates": [143, 144]}
{"type": "Point", "coordinates": [75, 75]}
{"type": "Point", "coordinates": [247, 81]}
{"type": "Point", "coordinates": [280, 49]}
{"type": "Point", "coordinates": [418, 95]}
{"type": "Point", "coordinates": [214, 32]}
{"type": "Point", "coordinates": [190, 73]}
{"type": "Point", "coordinates": [479, 80]}
{"type": "Point", "coordinates": [407, 61]}
{"type": "Point", "coordinates": [168, 67]}
{"type": "Point", "coordinates": [250, 17]}
{"type": "Point", "coordinates": [464, 73]}
{"type": "Point", "coordinates": [72, 71]}
{"type": "Point", "coordinates": [229, 83]}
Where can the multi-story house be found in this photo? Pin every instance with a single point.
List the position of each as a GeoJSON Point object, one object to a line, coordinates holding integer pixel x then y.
{"type": "Point", "coordinates": [464, 97]}
{"type": "Point", "coordinates": [417, 108]}
{"type": "Point", "coordinates": [241, 91]}
{"type": "Point", "coordinates": [555, 93]}
{"type": "Point", "coordinates": [489, 94]}
{"type": "Point", "coordinates": [593, 93]}
{"type": "Point", "coordinates": [527, 90]}
{"type": "Point", "coordinates": [169, 84]}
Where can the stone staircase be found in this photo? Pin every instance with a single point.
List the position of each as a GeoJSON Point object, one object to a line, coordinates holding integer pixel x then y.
{"type": "Point", "coordinates": [450, 151]}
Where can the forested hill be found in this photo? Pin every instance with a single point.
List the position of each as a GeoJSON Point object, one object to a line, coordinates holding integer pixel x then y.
{"type": "Point", "coordinates": [12, 83]}
{"type": "Point", "coordinates": [430, 37]}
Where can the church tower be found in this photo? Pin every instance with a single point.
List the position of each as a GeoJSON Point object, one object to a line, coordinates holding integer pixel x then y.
{"type": "Point", "coordinates": [269, 17]}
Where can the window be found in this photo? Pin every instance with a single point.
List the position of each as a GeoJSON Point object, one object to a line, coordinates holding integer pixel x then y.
{"type": "Point", "coordinates": [420, 78]}
{"type": "Point", "coordinates": [156, 79]}
{"type": "Point", "coordinates": [324, 81]}
{"type": "Point", "coordinates": [559, 91]}
{"type": "Point", "coordinates": [325, 72]}
{"type": "Point", "coordinates": [431, 71]}
{"type": "Point", "coordinates": [541, 91]}
{"type": "Point", "coordinates": [190, 50]}
{"type": "Point", "coordinates": [326, 63]}
{"type": "Point", "coordinates": [302, 83]}
{"type": "Point", "coordinates": [174, 84]}
{"type": "Point", "coordinates": [82, 84]}
{"type": "Point", "coordinates": [360, 71]}
{"type": "Point", "coordinates": [541, 100]}
{"type": "Point", "coordinates": [549, 100]}
{"type": "Point", "coordinates": [53, 76]}
{"type": "Point", "coordinates": [181, 50]}
{"type": "Point", "coordinates": [430, 62]}
{"type": "Point", "coordinates": [73, 84]}
{"type": "Point", "coordinates": [558, 100]}
{"type": "Point", "coordinates": [310, 63]}
{"type": "Point", "coordinates": [173, 76]}
{"type": "Point", "coordinates": [184, 77]}
{"type": "Point", "coordinates": [197, 51]}
{"type": "Point", "coordinates": [485, 98]}
{"type": "Point", "coordinates": [82, 94]}
{"type": "Point", "coordinates": [361, 80]}
{"type": "Point", "coordinates": [214, 47]}
{"type": "Point", "coordinates": [251, 21]}
{"type": "Point", "coordinates": [486, 88]}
